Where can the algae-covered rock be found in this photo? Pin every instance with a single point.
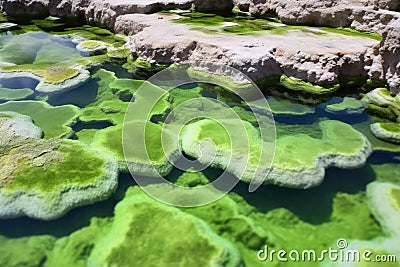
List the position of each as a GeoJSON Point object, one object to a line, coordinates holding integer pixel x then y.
{"type": "Point", "coordinates": [44, 179]}
{"type": "Point", "coordinates": [384, 200]}
{"type": "Point", "coordinates": [283, 107]}
{"type": "Point", "coordinates": [92, 47]}
{"type": "Point", "coordinates": [192, 179]}
{"type": "Point", "coordinates": [307, 87]}
{"type": "Point", "coordinates": [25, 251]}
{"type": "Point", "coordinates": [150, 227]}
{"type": "Point", "coordinates": [118, 53]}
{"type": "Point", "coordinates": [75, 249]}
{"type": "Point", "coordinates": [14, 94]}
{"type": "Point", "coordinates": [54, 121]}
{"type": "Point", "coordinates": [383, 104]}
{"type": "Point", "coordinates": [53, 179]}
{"type": "Point", "coordinates": [346, 105]}
{"type": "Point", "coordinates": [377, 144]}
{"type": "Point", "coordinates": [389, 132]}
{"type": "Point", "coordinates": [143, 150]}
{"type": "Point", "coordinates": [53, 79]}
{"type": "Point", "coordinates": [46, 58]}
{"type": "Point", "coordinates": [300, 160]}
{"type": "Point", "coordinates": [228, 148]}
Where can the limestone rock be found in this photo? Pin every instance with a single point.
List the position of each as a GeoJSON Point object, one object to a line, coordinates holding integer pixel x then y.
{"type": "Point", "coordinates": [317, 59]}
{"type": "Point", "coordinates": [390, 51]}
{"type": "Point", "coordinates": [95, 11]}
{"type": "Point", "coordinates": [12, 123]}
{"type": "Point", "coordinates": [366, 15]}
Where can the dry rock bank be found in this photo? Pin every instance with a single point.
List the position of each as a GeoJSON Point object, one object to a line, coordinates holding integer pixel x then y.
{"type": "Point", "coordinates": [318, 60]}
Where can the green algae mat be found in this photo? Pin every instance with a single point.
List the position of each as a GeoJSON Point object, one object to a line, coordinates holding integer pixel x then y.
{"type": "Point", "coordinates": [68, 196]}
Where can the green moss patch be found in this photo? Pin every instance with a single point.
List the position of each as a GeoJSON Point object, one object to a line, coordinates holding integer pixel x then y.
{"type": "Point", "coordinates": [75, 249]}
{"type": "Point", "coordinates": [66, 167]}
{"type": "Point", "coordinates": [143, 147]}
{"type": "Point", "coordinates": [383, 200]}
{"type": "Point", "coordinates": [49, 74]}
{"type": "Point", "coordinates": [347, 105]}
{"type": "Point", "coordinates": [383, 104]}
{"type": "Point", "coordinates": [189, 240]}
{"type": "Point", "coordinates": [250, 229]}
{"type": "Point", "coordinates": [91, 44]}
{"type": "Point", "coordinates": [395, 193]}
{"type": "Point", "coordinates": [54, 121]}
{"type": "Point", "coordinates": [14, 94]}
{"type": "Point", "coordinates": [300, 151]}
{"type": "Point", "coordinates": [283, 107]}
{"type": "Point", "coordinates": [35, 250]}
{"type": "Point", "coordinates": [352, 32]}
{"type": "Point", "coordinates": [389, 132]}
{"type": "Point", "coordinates": [192, 179]}
{"type": "Point", "coordinates": [118, 52]}
{"type": "Point", "coordinates": [44, 179]}
{"type": "Point", "coordinates": [299, 158]}
{"type": "Point", "coordinates": [143, 68]}
{"type": "Point", "coordinates": [248, 25]}
{"type": "Point", "coordinates": [307, 87]}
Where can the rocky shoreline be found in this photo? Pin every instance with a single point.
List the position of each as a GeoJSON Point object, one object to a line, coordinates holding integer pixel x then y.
{"type": "Point", "coordinates": [315, 58]}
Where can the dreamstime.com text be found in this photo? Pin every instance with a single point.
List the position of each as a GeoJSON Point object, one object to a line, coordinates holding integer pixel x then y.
{"type": "Point", "coordinates": [341, 253]}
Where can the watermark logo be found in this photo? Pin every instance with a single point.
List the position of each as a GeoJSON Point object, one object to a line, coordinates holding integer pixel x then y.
{"type": "Point", "coordinates": [142, 151]}
{"type": "Point", "coordinates": [342, 253]}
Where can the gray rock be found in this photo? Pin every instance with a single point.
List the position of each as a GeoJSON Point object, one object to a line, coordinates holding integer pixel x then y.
{"type": "Point", "coordinates": [21, 7]}
{"type": "Point", "coordinates": [213, 5]}
{"type": "Point", "coordinates": [12, 123]}
{"type": "Point", "coordinates": [390, 51]}
{"type": "Point", "coordinates": [95, 11]}
{"type": "Point", "coordinates": [365, 15]}
{"type": "Point", "coordinates": [320, 68]}
{"type": "Point", "coordinates": [317, 59]}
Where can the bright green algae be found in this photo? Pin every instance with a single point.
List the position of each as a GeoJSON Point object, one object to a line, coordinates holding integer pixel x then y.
{"type": "Point", "coordinates": [54, 121]}
{"type": "Point", "coordinates": [281, 107]}
{"type": "Point", "coordinates": [44, 57]}
{"type": "Point", "coordinates": [307, 87]}
{"type": "Point", "coordinates": [231, 217]}
{"type": "Point", "coordinates": [347, 105]}
{"type": "Point", "coordinates": [44, 179]}
{"type": "Point", "coordinates": [76, 167]}
{"type": "Point", "coordinates": [247, 25]}
{"type": "Point", "coordinates": [295, 157]}
{"type": "Point", "coordinates": [187, 236]}
{"type": "Point", "coordinates": [14, 94]}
